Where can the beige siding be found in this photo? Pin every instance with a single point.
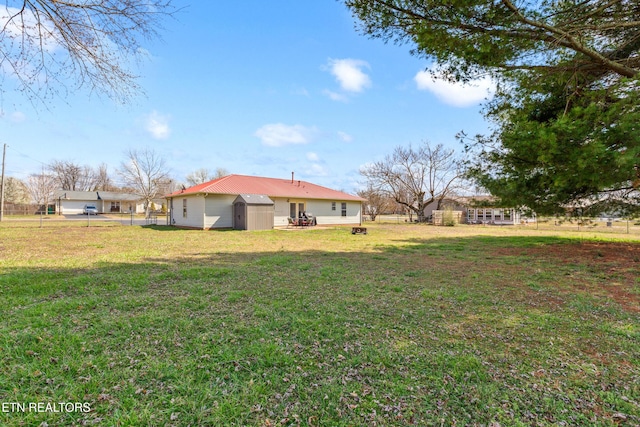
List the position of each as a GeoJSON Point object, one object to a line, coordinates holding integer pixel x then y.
{"type": "Point", "coordinates": [216, 211]}
{"type": "Point", "coordinates": [219, 211]}
{"type": "Point", "coordinates": [281, 212]}
{"type": "Point", "coordinates": [195, 207]}
{"type": "Point", "coordinates": [105, 206]}
{"type": "Point", "coordinates": [321, 209]}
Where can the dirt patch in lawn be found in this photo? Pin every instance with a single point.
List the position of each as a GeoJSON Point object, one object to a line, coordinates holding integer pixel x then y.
{"type": "Point", "coordinates": [617, 263]}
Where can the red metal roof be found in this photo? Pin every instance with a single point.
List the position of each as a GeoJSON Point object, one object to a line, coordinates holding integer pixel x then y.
{"type": "Point", "coordinates": [273, 187]}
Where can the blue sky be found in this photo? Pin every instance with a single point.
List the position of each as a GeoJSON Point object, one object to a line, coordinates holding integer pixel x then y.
{"type": "Point", "coordinates": [258, 88]}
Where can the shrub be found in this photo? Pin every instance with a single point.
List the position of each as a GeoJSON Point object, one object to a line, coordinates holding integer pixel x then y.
{"type": "Point", "coordinates": [448, 218]}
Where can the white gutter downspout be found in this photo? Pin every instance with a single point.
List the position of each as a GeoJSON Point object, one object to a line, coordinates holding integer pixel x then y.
{"type": "Point", "coordinates": [204, 210]}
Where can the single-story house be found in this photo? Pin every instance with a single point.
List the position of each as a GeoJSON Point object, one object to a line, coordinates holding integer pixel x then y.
{"type": "Point", "coordinates": [476, 210]}
{"type": "Point", "coordinates": [237, 201]}
{"type": "Point", "coordinates": [73, 202]}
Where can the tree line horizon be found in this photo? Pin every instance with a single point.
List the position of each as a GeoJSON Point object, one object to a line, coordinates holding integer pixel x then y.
{"type": "Point", "coordinates": [565, 116]}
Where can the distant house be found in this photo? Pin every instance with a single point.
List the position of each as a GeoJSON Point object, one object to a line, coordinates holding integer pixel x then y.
{"type": "Point", "coordinates": [251, 202]}
{"type": "Point", "coordinates": [73, 202]}
{"type": "Point", "coordinates": [475, 210]}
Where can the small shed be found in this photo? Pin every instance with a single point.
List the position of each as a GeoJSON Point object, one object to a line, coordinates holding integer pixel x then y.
{"type": "Point", "coordinates": [253, 212]}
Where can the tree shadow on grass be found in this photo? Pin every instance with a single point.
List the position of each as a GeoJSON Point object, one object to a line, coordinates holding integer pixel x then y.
{"type": "Point", "coordinates": [450, 260]}
{"type": "Point", "coordinates": [381, 335]}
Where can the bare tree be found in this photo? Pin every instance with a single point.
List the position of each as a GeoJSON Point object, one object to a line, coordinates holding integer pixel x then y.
{"type": "Point", "coordinates": [46, 44]}
{"type": "Point", "coordinates": [199, 176]}
{"type": "Point", "coordinates": [203, 175]}
{"type": "Point", "coordinates": [417, 177]}
{"type": "Point", "coordinates": [377, 202]}
{"type": "Point", "coordinates": [168, 186]}
{"type": "Point", "coordinates": [42, 188]}
{"type": "Point", "coordinates": [145, 171]}
{"type": "Point", "coordinates": [72, 176]}
{"type": "Point", "coordinates": [220, 172]}
{"type": "Point", "coordinates": [102, 180]}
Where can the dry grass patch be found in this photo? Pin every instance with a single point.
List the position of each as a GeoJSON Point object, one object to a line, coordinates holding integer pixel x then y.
{"type": "Point", "coordinates": [609, 269]}
{"type": "Point", "coordinates": [407, 325]}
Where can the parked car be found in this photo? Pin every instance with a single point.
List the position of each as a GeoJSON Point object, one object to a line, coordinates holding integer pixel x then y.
{"type": "Point", "coordinates": [90, 210]}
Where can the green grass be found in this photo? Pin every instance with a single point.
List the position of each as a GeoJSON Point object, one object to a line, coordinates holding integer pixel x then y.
{"type": "Point", "coordinates": [407, 325]}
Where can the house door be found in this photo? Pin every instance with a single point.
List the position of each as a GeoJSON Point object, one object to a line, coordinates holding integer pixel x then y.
{"type": "Point", "coordinates": [239, 218]}
{"type": "Point", "coordinates": [296, 209]}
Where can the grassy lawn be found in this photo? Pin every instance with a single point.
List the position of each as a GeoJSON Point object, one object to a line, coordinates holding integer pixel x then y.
{"type": "Point", "coordinates": [410, 324]}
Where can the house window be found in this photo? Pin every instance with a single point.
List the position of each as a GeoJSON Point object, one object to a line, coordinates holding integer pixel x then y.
{"type": "Point", "coordinates": [344, 209]}
{"type": "Point", "coordinates": [333, 206]}
{"type": "Point", "coordinates": [184, 208]}
{"type": "Point", "coordinates": [115, 206]}
{"type": "Point", "coordinates": [471, 215]}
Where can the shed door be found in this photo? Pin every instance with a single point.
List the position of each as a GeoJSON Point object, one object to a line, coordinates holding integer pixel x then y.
{"type": "Point", "coordinates": [239, 218]}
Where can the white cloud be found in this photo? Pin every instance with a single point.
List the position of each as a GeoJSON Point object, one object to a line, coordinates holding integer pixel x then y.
{"type": "Point", "coordinates": [456, 94]}
{"type": "Point", "coordinates": [157, 125]}
{"type": "Point", "coordinates": [349, 74]}
{"type": "Point", "coordinates": [345, 137]}
{"type": "Point", "coordinates": [317, 170]}
{"type": "Point", "coordinates": [17, 117]}
{"type": "Point", "coordinates": [312, 157]}
{"type": "Point", "coordinates": [279, 134]}
{"type": "Point", "coordinates": [23, 26]}
{"type": "Point", "coordinates": [334, 96]}
{"type": "Point", "coordinates": [23, 35]}
{"type": "Point", "coordinates": [300, 91]}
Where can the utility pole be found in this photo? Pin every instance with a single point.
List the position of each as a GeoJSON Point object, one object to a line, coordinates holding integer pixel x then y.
{"type": "Point", "coordinates": [4, 153]}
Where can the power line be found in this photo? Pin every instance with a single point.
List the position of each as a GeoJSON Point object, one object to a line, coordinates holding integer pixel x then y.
{"type": "Point", "coordinates": [26, 155]}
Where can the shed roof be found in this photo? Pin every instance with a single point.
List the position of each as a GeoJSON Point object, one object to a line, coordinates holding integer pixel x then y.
{"type": "Point", "coordinates": [254, 199]}
{"type": "Point", "coordinates": [273, 187]}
